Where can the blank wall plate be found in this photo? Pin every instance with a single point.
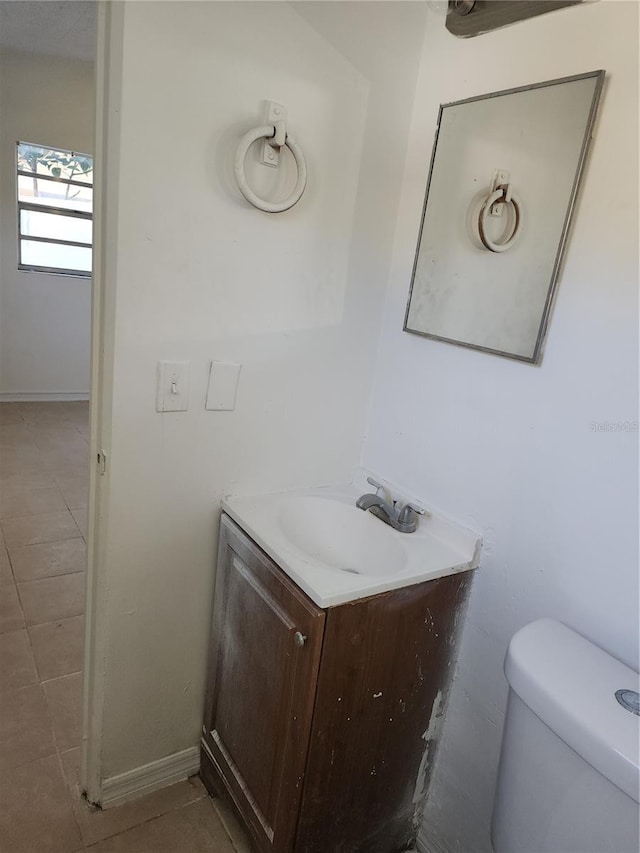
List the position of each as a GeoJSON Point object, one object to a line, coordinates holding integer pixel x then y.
{"type": "Point", "coordinates": [173, 386]}
{"type": "Point", "coordinates": [223, 386]}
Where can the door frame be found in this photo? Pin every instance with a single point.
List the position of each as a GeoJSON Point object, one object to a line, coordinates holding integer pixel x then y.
{"type": "Point", "coordinates": [108, 79]}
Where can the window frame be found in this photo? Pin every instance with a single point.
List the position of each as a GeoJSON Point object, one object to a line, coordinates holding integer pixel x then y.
{"type": "Point", "coordinates": [51, 209]}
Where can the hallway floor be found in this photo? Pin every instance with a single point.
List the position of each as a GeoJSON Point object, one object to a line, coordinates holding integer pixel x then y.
{"type": "Point", "coordinates": [43, 504]}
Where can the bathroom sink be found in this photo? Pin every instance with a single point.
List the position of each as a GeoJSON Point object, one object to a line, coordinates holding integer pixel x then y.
{"type": "Point", "coordinates": [341, 538]}
{"type": "Point", "coordinates": [337, 553]}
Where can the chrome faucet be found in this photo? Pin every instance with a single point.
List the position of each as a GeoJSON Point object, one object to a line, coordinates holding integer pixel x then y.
{"type": "Point", "coordinates": [401, 518]}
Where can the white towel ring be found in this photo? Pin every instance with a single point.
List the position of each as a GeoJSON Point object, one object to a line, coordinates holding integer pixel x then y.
{"type": "Point", "coordinates": [245, 143]}
{"type": "Point", "coordinates": [490, 200]}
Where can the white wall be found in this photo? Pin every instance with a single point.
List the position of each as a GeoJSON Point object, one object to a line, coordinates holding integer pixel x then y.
{"type": "Point", "coordinates": [506, 447]}
{"type": "Point", "coordinates": [193, 273]}
{"type": "Point", "coordinates": [45, 320]}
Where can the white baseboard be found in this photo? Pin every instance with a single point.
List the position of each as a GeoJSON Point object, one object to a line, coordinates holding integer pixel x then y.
{"type": "Point", "coordinates": [150, 777]}
{"type": "Point", "coordinates": [43, 396]}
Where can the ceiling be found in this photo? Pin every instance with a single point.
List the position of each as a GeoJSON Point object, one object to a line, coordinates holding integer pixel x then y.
{"type": "Point", "coordinates": [51, 27]}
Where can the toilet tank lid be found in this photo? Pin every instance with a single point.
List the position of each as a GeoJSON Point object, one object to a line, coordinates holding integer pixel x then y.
{"type": "Point", "coordinates": [571, 685]}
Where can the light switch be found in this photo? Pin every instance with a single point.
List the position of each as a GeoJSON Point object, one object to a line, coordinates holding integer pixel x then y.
{"type": "Point", "coordinates": [223, 386]}
{"type": "Point", "coordinates": [173, 386]}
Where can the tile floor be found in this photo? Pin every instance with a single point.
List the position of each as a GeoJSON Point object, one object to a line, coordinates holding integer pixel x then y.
{"type": "Point", "coordinates": [43, 501]}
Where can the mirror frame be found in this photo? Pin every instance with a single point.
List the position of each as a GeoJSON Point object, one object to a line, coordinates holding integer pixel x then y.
{"type": "Point", "coordinates": [555, 274]}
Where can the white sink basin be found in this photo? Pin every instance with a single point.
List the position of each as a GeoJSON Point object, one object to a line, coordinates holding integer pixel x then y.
{"type": "Point", "coordinates": [338, 553]}
{"type": "Point", "coordinates": [341, 537]}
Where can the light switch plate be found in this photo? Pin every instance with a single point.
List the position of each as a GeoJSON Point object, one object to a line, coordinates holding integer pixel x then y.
{"type": "Point", "coordinates": [173, 386]}
{"type": "Point", "coordinates": [223, 386]}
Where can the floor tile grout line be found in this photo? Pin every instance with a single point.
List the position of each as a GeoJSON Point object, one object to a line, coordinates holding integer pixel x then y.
{"type": "Point", "coordinates": [48, 541]}
{"type": "Point", "coordinates": [36, 514]}
{"type": "Point", "coordinates": [33, 653]}
{"type": "Point", "coordinates": [19, 479]}
{"type": "Point", "coordinates": [147, 820]}
{"type": "Point", "coordinates": [48, 621]}
{"type": "Point", "coordinates": [24, 618]}
{"type": "Point", "coordinates": [39, 678]}
{"type": "Point", "coordinates": [68, 508]}
{"type": "Point", "coordinates": [16, 582]}
{"type": "Point", "coordinates": [57, 678]}
{"type": "Point", "coordinates": [51, 728]}
{"type": "Point", "coordinates": [30, 761]}
{"type": "Point", "coordinates": [42, 680]}
{"type": "Point", "coordinates": [69, 795]}
{"type": "Point", "coordinates": [51, 621]}
{"type": "Point", "coordinates": [60, 575]}
{"type": "Point", "coordinates": [50, 715]}
{"type": "Point", "coordinates": [18, 490]}
{"type": "Point", "coordinates": [61, 618]}
{"type": "Point", "coordinates": [13, 574]}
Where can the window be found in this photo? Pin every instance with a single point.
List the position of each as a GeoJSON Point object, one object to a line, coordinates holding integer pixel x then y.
{"type": "Point", "coordinates": [55, 210]}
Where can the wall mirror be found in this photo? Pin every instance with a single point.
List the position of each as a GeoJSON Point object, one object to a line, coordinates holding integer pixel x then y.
{"type": "Point", "coordinates": [505, 172]}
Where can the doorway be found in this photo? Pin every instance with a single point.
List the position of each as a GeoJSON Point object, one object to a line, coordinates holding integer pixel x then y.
{"type": "Point", "coordinates": [47, 104]}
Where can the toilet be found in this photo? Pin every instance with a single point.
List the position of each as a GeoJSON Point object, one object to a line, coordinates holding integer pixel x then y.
{"type": "Point", "coordinates": [569, 777]}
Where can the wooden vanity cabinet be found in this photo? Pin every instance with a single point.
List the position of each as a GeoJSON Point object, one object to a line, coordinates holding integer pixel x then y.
{"type": "Point", "coordinates": [318, 722]}
{"type": "Point", "coordinates": [261, 689]}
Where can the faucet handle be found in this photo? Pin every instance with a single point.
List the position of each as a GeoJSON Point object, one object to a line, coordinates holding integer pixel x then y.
{"type": "Point", "coordinates": [407, 512]}
{"type": "Point", "coordinates": [380, 489]}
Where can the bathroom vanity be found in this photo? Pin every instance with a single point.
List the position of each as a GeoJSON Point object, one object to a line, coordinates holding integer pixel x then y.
{"type": "Point", "coordinates": [322, 702]}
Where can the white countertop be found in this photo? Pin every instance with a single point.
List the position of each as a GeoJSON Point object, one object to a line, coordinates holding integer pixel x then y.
{"type": "Point", "coordinates": [437, 548]}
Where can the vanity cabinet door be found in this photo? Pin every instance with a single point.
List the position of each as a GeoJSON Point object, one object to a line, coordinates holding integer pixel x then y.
{"type": "Point", "coordinates": [384, 671]}
{"type": "Point", "coordinates": [264, 662]}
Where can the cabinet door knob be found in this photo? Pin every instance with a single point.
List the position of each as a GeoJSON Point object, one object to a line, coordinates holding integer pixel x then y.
{"type": "Point", "coordinates": [299, 638]}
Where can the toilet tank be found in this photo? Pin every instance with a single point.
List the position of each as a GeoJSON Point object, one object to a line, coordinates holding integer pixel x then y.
{"type": "Point", "coordinates": [569, 777]}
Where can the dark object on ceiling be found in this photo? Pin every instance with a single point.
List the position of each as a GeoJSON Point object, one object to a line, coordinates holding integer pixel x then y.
{"type": "Point", "coordinates": [467, 18]}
